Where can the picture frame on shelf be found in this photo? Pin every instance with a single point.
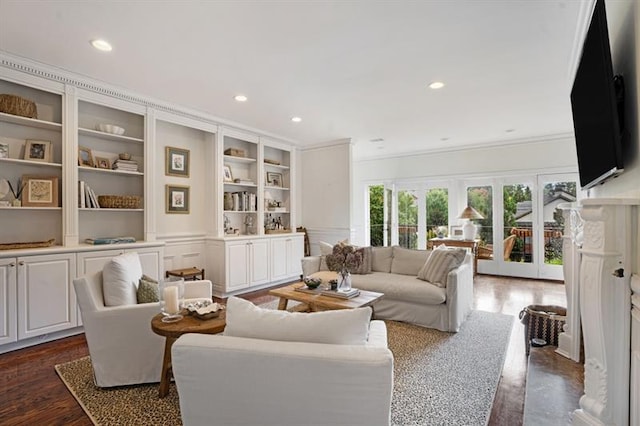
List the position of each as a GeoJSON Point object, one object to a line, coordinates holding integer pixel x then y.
{"type": "Point", "coordinates": [227, 176]}
{"type": "Point", "coordinates": [4, 150]}
{"type": "Point", "coordinates": [177, 199]}
{"type": "Point", "coordinates": [85, 157]}
{"type": "Point", "coordinates": [35, 150]}
{"type": "Point", "coordinates": [103, 163]}
{"type": "Point", "coordinates": [176, 162]}
{"type": "Point", "coordinates": [274, 179]}
{"type": "Point", "coordinates": [455, 232]}
{"type": "Point", "coordinates": [39, 191]}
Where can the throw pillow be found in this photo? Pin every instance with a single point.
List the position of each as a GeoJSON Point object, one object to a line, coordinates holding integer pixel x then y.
{"type": "Point", "coordinates": [120, 277]}
{"type": "Point", "coordinates": [438, 265]}
{"type": "Point", "coordinates": [407, 261]}
{"type": "Point", "coordinates": [381, 259]}
{"type": "Point", "coordinates": [325, 249]}
{"type": "Point", "coordinates": [148, 290]}
{"type": "Point", "coordinates": [367, 259]}
{"type": "Point", "coordinates": [339, 327]}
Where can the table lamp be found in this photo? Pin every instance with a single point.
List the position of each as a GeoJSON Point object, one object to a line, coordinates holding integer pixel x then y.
{"type": "Point", "coordinates": [469, 229]}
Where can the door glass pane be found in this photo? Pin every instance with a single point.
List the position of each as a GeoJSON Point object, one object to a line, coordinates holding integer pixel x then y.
{"type": "Point", "coordinates": [388, 216]}
{"type": "Point", "coordinates": [518, 224]}
{"type": "Point", "coordinates": [376, 215]}
{"type": "Point", "coordinates": [437, 211]}
{"type": "Point", "coordinates": [408, 219]}
{"type": "Point", "coordinates": [555, 193]}
{"type": "Point", "coordinates": [481, 199]}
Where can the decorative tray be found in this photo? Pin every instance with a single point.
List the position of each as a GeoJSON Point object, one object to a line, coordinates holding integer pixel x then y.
{"type": "Point", "coordinates": [204, 309]}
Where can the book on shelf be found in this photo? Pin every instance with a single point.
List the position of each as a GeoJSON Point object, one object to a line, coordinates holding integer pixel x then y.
{"type": "Point", "coordinates": [354, 292]}
{"type": "Point", "coordinates": [108, 240]}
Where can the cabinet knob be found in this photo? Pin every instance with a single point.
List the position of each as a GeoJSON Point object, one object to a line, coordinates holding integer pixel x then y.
{"type": "Point", "coordinates": [21, 263]}
{"type": "Point", "coordinates": [12, 264]}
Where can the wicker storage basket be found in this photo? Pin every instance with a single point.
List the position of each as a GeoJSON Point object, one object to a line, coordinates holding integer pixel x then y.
{"type": "Point", "coordinates": [543, 322]}
{"type": "Point", "coordinates": [120, 201]}
{"type": "Point", "coordinates": [15, 105]}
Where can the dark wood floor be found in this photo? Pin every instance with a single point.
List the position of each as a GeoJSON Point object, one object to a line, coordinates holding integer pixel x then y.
{"type": "Point", "coordinates": [32, 393]}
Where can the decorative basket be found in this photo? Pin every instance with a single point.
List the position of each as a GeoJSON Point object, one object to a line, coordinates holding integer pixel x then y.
{"type": "Point", "coordinates": [543, 322]}
{"type": "Point", "coordinates": [236, 152]}
{"type": "Point", "coordinates": [15, 105]}
{"type": "Point", "coordinates": [120, 201]}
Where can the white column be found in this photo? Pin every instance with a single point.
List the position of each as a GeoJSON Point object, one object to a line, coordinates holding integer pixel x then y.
{"type": "Point", "coordinates": [605, 301]}
{"type": "Point", "coordinates": [569, 341]}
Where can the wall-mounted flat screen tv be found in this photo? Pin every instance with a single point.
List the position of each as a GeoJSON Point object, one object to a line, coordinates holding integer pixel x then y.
{"type": "Point", "coordinates": [595, 99]}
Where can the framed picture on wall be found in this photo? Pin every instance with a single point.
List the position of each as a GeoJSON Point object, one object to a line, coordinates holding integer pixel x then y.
{"type": "Point", "coordinates": [274, 179]}
{"type": "Point", "coordinates": [455, 232]}
{"type": "Point", "coordinates": [177, 199]}
{"type": "Point", "coordinates": [176, 162]}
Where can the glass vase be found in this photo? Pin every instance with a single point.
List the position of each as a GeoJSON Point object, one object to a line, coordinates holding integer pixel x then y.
{"type": "Point", "coordinates": [344, 281]}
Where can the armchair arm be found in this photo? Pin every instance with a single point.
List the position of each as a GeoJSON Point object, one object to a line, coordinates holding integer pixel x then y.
{"type": "Point", "coordinates": [310, 265]}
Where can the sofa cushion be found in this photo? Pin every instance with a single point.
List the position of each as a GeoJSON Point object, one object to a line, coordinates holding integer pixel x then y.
{"type": "Point", "coordinates": [407, 261]}
{"type": "Point", "coordinates": [148, 290]}
{"type": "Point", "coordinates": [339, 327]}
{"type": "Point", "coordinates": [120, 277]}
{"type": "Point", "coordinates": [442, 261]}
{"type": "Point", "coordinates": [325, 249]}
{"type": "Point", "coordinates": [367, 258]}
{"type": "Point", "coordinates": [400, 287]}
{"type": "Point", "coordinates": [381, 259]}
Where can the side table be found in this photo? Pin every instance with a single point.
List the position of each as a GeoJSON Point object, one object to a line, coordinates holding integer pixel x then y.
{"type": "Point", "coordinates": [186, 273]}
{"type": "Point", "coordinates": [173, 330]}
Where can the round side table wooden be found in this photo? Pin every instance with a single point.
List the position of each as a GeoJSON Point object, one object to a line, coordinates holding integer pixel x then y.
{"type": "Point", "coordinates": [172, 330]}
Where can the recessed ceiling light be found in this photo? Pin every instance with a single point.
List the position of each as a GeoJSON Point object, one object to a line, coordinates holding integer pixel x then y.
{"type": "Point", "coordinates": [510, 130]}
{"type": "Point", "coordinates": [436, 85]}
{"type": "Point", "coordinates": [102, 45]}
{"type": "Point", "coordinates": [376, 140]}
{"type": "Point", "coordinates": [240, 98]}
{"type": "Point", "coordinates": [296, 119]}
{"type": "Point", "coordinates": [444, 139]}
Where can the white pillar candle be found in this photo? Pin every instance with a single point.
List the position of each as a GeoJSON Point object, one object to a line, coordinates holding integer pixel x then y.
{"type": "Point", "coordinates": [170, 296]}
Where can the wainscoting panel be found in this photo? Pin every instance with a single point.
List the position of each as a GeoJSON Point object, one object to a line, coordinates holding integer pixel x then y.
{"type": "Point", "coordinates": [185, 253]}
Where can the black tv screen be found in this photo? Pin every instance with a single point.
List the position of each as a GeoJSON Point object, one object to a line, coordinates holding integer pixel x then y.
{"type": "Point", "coordinates": [594, 106]}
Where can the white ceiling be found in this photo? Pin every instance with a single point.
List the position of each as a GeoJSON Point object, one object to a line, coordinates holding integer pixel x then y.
{"type": "Point", "coordinates": [350, 69]}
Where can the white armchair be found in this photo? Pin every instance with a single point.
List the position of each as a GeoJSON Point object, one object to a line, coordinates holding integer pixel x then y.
{"type": "Point", "coordinates": [246, 381]}
{"type": "Point", "coordinates": [123, 348]}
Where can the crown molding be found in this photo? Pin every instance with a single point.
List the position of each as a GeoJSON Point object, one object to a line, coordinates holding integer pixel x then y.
{"type": "Point", "coordinates": [48, 72]}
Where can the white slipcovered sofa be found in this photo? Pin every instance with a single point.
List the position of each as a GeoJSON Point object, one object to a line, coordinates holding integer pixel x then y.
{"type": "Point", "coordinates": [280, 368]}
{"type": "Point", "coordinates": [394, 272]}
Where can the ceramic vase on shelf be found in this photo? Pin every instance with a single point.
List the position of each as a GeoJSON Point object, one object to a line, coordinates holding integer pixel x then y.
{"type": "Point", "coordinates": [344, 280]}
{"type": "Point", "coordinates": [171, 293]}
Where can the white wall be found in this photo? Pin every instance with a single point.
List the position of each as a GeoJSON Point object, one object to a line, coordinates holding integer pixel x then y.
{"type": "Point", "coordinates": [553, 155]}
{"type": "Point", "coordinates": [325, 198]}
{"type": "Point", "coordinates": [623, 18]}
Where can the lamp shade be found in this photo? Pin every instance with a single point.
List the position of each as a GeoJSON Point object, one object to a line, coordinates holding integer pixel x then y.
{"type": "Point", "coordinates": [470, 213]}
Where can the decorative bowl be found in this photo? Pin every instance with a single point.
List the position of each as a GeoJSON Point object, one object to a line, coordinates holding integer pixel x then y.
{"type": "Point", "coordinates": [312, 282]}
{"type": "Point", "coordinates": [110, 128]}
{"type": "Point", "coordinates": [124, 156]}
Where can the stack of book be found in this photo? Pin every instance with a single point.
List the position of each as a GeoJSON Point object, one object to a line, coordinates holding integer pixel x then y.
{"type": "Point", "coordinates": [354, 292]}
{"type": "Point", "coordinates": [126, 165]}
{"type": "Point", "coordinates": [87, 197]}
{"type": "Point", "coordinates": [107, 240]}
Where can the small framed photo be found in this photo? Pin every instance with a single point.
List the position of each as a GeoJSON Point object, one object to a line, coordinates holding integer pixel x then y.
{"type": "Point", "coordinates": [274, 179]}
{"type": "Point", "coordinates": [455, 232]}
{"type": "Point", "coordinates": [103, 163]}
{"type": "Point", "coordinates": [177, 199]}
{"type": "Point", "coordinates": [40, 191]}
{"type": "Point", "coordinates": [37, 151]}
{"type": "Point", "coordinates": [226, 173]}
{"type": "Point", "coordinates": [4, 150]}
{"type": "Point", "coordinates": [176, 162]}
{"type": "Point", "coordinates": [85, 157]}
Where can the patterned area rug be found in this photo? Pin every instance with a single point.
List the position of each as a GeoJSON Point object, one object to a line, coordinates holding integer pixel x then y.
{"type": "Point", "coordinates": [439, 379]}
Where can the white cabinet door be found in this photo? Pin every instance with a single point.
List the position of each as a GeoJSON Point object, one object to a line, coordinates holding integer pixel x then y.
{"type": "Point", "coordinates": [259, 261]}
{"type": "Point", "coordinates": [237, 256]}
{"type": "Point", "coordinates": [46, 302]}
{"type": "Point", "coordinates": [91, 262]}
{"type": "Point", "coordinates": [295, 252]}
{"type": "Point", "coordinates": [8, 328]}
{"type": "Point", "coordinates": [279, 260]}
{"type": "Point", "coordinates": [151, 260]}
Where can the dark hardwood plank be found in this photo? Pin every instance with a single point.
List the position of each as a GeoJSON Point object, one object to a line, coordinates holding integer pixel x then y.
{"type": "Point", "coordinates": [32, 393]}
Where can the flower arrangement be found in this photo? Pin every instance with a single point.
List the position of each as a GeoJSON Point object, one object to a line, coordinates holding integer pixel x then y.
{"type": "Point", "coordinates": [345, 258]}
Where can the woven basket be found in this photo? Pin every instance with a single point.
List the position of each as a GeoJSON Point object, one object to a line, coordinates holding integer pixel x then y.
{"type": "Point", "coordinates": [15, 105]}
{"type": "Point", "coordinates": [120, 201]}
{"type": "Point", "coordinates": [543, 322]}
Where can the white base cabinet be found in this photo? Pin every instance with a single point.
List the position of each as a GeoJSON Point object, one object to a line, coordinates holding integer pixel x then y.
{"type": "Point", "coordinates": [241, 264]}
{"type": "Point", "coordinates": [8, 298]}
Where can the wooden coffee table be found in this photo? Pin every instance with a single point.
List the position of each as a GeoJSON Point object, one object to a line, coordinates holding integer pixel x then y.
{"type": "Point", "coordinates": [173, 330]}
{"type": "Point", "coordinates": [319, 302]}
